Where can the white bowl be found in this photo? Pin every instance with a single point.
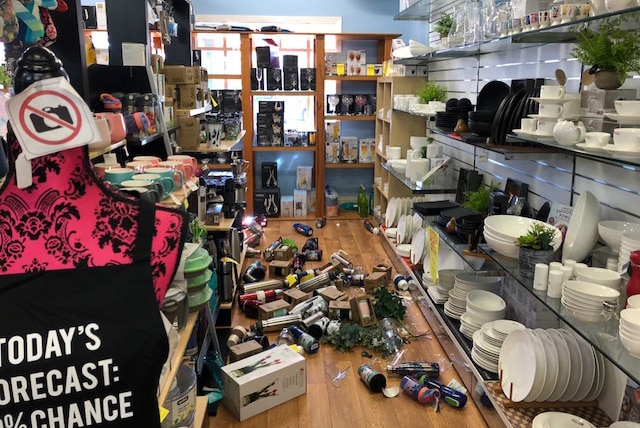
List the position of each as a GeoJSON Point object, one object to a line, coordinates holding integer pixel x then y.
{"type": "Point", "coordinates": [510, 227]}
{"type": "Point", "coordinates": [632, 346]}
{"type": "Point", "coordinates": [597, 139]}
{"type": "Point", "coordinates": [611, 231]}
{"type": "Point", "coordinates": [507, 249]}
{"type": "Point", "coordinates": [627, 107]}
{"type": "Point", "coordinates": [633, 301]}
{"type": "Point", "coordinates": [630, 317]}
{"type": "Point", "coordinates": [485, 302]}
{"type": "Point", "coordinates": [600, 276]}
{"type": "Point", "coordinates": [582, 232]}
{"type": "Point", "coordinates": [630, 333]}
{"type": "Point", "coordinates": [393, 152]}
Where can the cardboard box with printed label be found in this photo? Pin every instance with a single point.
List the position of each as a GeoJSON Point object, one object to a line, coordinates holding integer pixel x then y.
{"type": "Point", "coordinates": [189, 133]}
{"type": "Point", "coordinates": [299, 203]}
{"type": "Point", "coordinates": [180, 75]}
{"type": "Point", "coordinates": [263, 381]}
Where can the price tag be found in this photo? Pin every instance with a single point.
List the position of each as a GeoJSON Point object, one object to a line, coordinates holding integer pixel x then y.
{"type": "Point", "coordinates": [163, 413]}
{"type": "Point", "coordinates": [174, 198]}
{"type": "Point", "coordinates": [434, 241]}
{"type": "Point", "coordinates": [193, 186]}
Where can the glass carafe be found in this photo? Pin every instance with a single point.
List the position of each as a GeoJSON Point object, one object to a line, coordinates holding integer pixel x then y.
{"type": "Point", "coordinates": [456, 35]}
{"type": "Point", "coordinates": [489, 17]}
{"type": "Point", "coordinates": [474, 32]}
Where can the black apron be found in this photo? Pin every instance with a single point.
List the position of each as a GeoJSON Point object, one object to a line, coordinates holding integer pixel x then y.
{"type": "Point", "coordinates": [83, 347]}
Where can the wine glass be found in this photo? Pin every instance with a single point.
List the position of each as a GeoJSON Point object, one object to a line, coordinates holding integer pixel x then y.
{"type": "Point", "coordinates": [294, 81]}
{"type": "Point", "coordinates": [259, 78]}
{"type": "Point", "coordinates": [333, 101]}
{"type": "Point", "coordinates": [347, 100]}
{"type": "Point", "coordinates": [277, 77]}
{"type": "Point", "coordinates": [361, 100]}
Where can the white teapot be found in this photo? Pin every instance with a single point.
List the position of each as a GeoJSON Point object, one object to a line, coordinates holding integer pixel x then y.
{"type": "Point", "coordinates": [568, 133]}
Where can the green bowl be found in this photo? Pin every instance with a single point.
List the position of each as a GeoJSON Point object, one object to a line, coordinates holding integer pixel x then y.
{"type": "Point", "coordinates": [197, 262]}
{"type": "Point", "coordinates": [197, 282]}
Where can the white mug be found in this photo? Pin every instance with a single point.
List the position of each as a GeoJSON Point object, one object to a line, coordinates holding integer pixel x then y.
{"type": "Point", "coordinates": [528, 125]}
{"type": "Point", "coordinates": [552, 92]}
{"type": "Point", "coordinates": [545, 126]}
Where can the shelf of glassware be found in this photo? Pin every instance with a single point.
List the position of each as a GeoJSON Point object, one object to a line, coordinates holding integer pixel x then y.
{"type": "Point", "coordinates": [557, 33]}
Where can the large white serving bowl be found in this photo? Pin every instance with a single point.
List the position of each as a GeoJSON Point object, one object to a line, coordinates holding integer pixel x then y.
{"type": "Point", "coordinates": [485, 302]}
{"type": "Point", "coordinates": [611, 231]}
{"type": "Point", "coordinates": [501, 246]}
{"type": "Point", "coordinates": [591, 291]}
{"type": "Point", "coordinates": [510, 227]}
{"type": "Point", "coordinates": [582, 232]}
{"type": "Point", "coordinates": [600, 276]}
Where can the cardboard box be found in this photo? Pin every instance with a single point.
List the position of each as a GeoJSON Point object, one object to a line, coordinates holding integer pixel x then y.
{"type": "Point", "coordinates": [331, 61]}
{"type": "Point", "coordinates": [279, 268]}
{"type": "Point", "coordinates": [101, 15]}
{"type": "Point", "coordinates": [266, 201]}
{"type": "Point", "coordinates": [340, 309]}
{"type": "Point", "coordinates": [189, 133]}
{"type": "Point", "coordinates": [274, 79]}
{"type": "Point", "coordinates": [249, 383]}
{"type": "Point", "coordinates": [283, 253]}
{"type": "Point", "coordinates": [273, 309]}
{"type": "Point", "coordinates": [307, 79]}
{"type": "Point", "coordinates": [374, 281]}
{"type": "Point", "coordinates": [366, 150]}
{"type": "Point", "coordinates": [294, 296]}
{"type": "Point", "coordinates": [349, 149]}
{"type": "Point", "coordinates": [299, 203]}
{"type": "Point", "coordinates": [356, 63]}
{"type": "Point", "coordinates": [304, 177]}
{"type": "Point", "coordinates": [286, 206]}
{"type": "Point", "coordinates": [179, 75]}
{"type": "Point", "coordinates": [269, 175]}
{"type": "Point", "coordinates": [189, 96]}
{"type": "Point", "coordinates": [362, 310]}
{"type": "Point", "coordinates": [244, 350]}
{"type": "Point", "coordinates": [311, 200]}
{"type": "Point", "coordinates": [384, 269]}
{"type": "Point", "coordinates": [332, 293]}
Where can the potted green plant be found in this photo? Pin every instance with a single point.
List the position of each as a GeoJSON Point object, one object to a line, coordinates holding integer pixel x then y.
{"type": "Point", "coordinates": [6, 80]}
{"type": "Point", "coordinates": [611, 50]}
{"type": "Point", "coordinates": [536, 246]}
{"type": "Point", "coordinates": [478, 200]}
{"type": "Point", "coordinates": [444, 24]}
{"type": "Point", "coordinates": [430, 91]}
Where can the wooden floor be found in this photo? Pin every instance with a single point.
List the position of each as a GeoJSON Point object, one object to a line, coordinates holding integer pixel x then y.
{"type": "Point", "coordinates": [350, 404]}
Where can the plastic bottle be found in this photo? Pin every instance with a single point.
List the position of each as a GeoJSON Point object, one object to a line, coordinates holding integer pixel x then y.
{"type": "Point", "coordinates": [368, 224]}
{"type": "Point", "coordinates": [308, 342]}
{"type": "Point", "coordinates": [633, 286]}
{"type": "Point", "coordinates": [363, 203]}
{"type": "Point", "coordinates": [374, 380]}
{"type": "Point", "coordinates": [415, 369]}
{"type": "Point", "coordinates": [418, 391]}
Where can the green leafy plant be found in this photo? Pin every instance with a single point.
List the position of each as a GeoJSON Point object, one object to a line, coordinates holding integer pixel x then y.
{"type": "Point", "coordinates": [444, 24]}
{"type": "Point", "coordinates": [609, 48]}
{"type": "Point", "coordinates": [478, 200]}
{"type": "Point", "coordinates": [6, 80]}
{"type": "Point", "coordinates": [430, 91]}
{"type": "Point", "coordinates": [388, 304]}
{"type": "Point", "coordinates": [538, 237]}
{"type": "Point", "coordinates": [198, 231]}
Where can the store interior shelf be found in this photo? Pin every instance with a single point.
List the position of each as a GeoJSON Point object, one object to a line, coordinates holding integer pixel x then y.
{"type": "Point", "coordinates": [348, 165]}
{"type": "Point", "coordinates": [560, 33]}
{"type": "Point", "coordinates": [185, 334]}
{"type": "Point", "coordinates": [610, 349]}
{"type": "Point", "coordinates": [414, 187]}
{"type": "Point", "coordinates": [225, 146]}
{"type": "Point", "coordinates": [201, 110]}
{"type": "Point", "coordinates": [143, 141]}
{"type": "Point", "coordinates": [94, 153]}
{"type": "Point", "coordinates": [284, 148]}
{"type": "Point", "coordinates": [365, 117]}
{"type": "Point", "coordinates": [201, 411]}
{"type": "Point", "coordinates": [179, 195]}
{"type": "Point", "coordinates": [351, 78]}
{"type": "Point", "coordinates": [283, 93]}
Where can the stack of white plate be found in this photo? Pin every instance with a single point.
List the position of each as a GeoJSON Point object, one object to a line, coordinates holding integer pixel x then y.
{"type": "Point", "coordinates": [405, 229]}
{"type": "Point", "coordinates": [549, 365]}
{"type": "Point", "coordinates": [465, 282]}
{"type": "Point", "coordinates": [629, 331]}
{"type": "Point", "coordinates": [630, 242]}
{"type": "Point", "coordinates": [397, 207]}
{"type": "Point", "coordinates": [560, 420]}
{"type": "Point", "coordinates": [583, 300]}
{"type": "Point", "coordinates": [482, 307]}
{"type": "Point", "coordinates": [446, 279]}
{"type": "Point", "coordinates": [419, 245]}
{"type": "Point", "coordinates": [488, 340]}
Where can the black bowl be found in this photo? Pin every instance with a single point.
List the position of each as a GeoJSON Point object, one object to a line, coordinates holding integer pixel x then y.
{"type": "Point", "coordinates": [482, 115]}
{"type": "Point", "coordinates": [481, 129]}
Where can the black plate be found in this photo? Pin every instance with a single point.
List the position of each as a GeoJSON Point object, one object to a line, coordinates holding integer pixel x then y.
{"type": "Point", "coordinates": [505, 123]}
{"type": "Point", "coordinates": [433, 207]}
{"type": "Point", "coordinates": [491, 95]}
{"type": "Point", "coordinates": [498, 118]}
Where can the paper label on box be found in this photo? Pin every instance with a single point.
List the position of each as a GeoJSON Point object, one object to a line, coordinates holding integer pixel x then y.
{"type": "Point", "coordinates": [560, 216]}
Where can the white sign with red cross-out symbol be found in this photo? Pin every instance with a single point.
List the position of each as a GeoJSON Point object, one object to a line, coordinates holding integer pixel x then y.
{"type": "Point", "coordinates": [49, 116]}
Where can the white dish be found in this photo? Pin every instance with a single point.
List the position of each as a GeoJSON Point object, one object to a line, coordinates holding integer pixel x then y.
{"type": "Point", "coordinates": [627, 154]}
{"type": "Point", "coordinates": [588, 368]}
{"type": "Point", "coordinates": [417, 246]}
{"type": "Point", "coordinates": [582, 232]}
{"type": "Point", "coordinates": [567, 98]}
{"type": "Point", "coordinates": [541, 366]}
{"type": "Point", "coordinates": [575, 376]}
{"type": "Point", "coordinates": [570, 117]}
{"type": "Point", "coordinates": [504, 327]}
{"type": "Point", "coordinates": [390, 215]}
{"type": "Point", "coordinates": [588, 148]}
{"type": "Point", "coordinates": [522, 133]}
{"type": "Point", "coordinates": [403, 231]}
{"type": "Point", "coordinates": [564, 365]}
{"type": "Point", "coordinates": [559, 420]}
{"type": "Point", "coordinates": [597, 386]}
{"type": "Point", "coordinates": [551, 354]}
{"type": "Point", "coordinates": [437, 297]}
{"type": "Point", "coordinates": [417, 222]}
{"type": "Point", "coordinates": [391, 232]}
{"type": "Point", "coordinates": [485, 302]}
{"type": "Point", "coordinates": [589, 289]}
{"type": "Point", "coordinates": [404, 250]}
{"type": "Point", "coordinates": [517, 352]}
{"type": "Point", "coordinates": [623, 119]}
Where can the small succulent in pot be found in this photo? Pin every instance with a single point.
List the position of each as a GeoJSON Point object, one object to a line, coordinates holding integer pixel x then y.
{"type": "Point", "coordinates": [538, 237]}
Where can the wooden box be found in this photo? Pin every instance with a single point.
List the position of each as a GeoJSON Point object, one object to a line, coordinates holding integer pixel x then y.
{"type": "Point", "coordinates": [273, 309]}
{"type": "Point", "coordinates": [332, 293]}
{"type": "Point", "coordinates": [283, 252]}
{"type": "Point", "coordinates": [279, 268]}
{"type": "Point", "coordinates": [362, 310]}
{"type": "Point", "coordinates": [386, 270]}
{"type": "Point", "coordinates": [244, 350]}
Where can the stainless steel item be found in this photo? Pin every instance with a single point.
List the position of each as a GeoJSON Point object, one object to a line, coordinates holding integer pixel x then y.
{"type": "Point", "coordinates": [269, 284]}
{"type": "Point", "coordinates": [276, 323]}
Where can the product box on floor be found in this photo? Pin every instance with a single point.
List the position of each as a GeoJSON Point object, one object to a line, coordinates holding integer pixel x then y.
{"type": "Point", "coordinates": [263, 381]}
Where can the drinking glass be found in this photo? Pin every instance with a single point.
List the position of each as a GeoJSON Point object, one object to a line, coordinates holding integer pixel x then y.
{"type": "Point", "coordinates": [259, 78]}
{"type": "Point", "coordinates": [333, 101]}
{"type": "Point", "coordinates": [361, 100]}
{"type": "Point", "coordinates": [347, 100]}
{"type": "Point", "coordinates": [309, 76]}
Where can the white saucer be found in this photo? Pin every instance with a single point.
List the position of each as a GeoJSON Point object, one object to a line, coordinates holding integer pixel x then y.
{"type": "Point", "coordinates": [522, 133]}
{"type": "Point", "coordinates": [539, 135]}
{"type": "Point", "coordinates": [588, 148]}
{"type": "Point", "coordinates": [567, 98]}
{"type": "Point", "coordinates": [616, 151]}
{"type": "Point", "coordinates": [624, 120]}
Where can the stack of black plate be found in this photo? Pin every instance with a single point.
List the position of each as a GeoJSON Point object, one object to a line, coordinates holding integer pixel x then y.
{"type": "Point", "coordinates": [446, 121]}
{"type": "Point", "coordinates": [455, 110]}
{"type": "Point", "coordinates": [459, 213]}
{"type": "Point", "coordinates": [467, 225]}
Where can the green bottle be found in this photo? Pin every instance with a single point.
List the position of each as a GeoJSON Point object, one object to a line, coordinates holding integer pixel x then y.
{"type": "Point", "coordinates": [363, 203]}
